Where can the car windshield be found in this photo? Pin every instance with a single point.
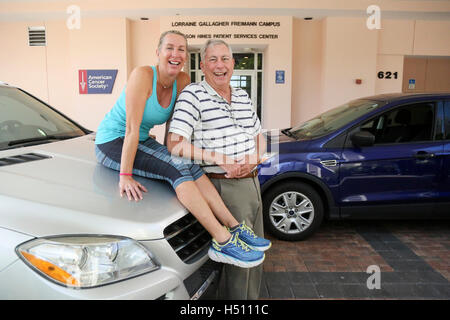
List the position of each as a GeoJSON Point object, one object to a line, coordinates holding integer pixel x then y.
{"type": "Point", "coordinates": [25, 120]}
{"type": "Point", "coordinates": [332, 120]}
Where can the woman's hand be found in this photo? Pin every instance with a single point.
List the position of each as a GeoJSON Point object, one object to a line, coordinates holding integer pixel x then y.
{"type": "Point", "coordinates": [130, 187]}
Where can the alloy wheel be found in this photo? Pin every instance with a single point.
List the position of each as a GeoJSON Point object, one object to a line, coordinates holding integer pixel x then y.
{"type": "Point", "coordinates": [291, 212]}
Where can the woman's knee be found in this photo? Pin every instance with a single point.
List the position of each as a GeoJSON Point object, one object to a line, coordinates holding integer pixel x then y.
{"type": "Point", "coordinates": [195, 171]}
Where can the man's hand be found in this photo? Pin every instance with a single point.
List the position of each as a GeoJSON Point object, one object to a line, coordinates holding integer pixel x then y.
{"type": "Point", "coordinates": [248, 163]}
{"type": "Point", "coordinates": [231, 167]}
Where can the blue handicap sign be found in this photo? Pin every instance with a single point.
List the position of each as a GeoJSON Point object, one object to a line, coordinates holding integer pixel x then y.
{"type": "Point", "coordinates": [279, 76]}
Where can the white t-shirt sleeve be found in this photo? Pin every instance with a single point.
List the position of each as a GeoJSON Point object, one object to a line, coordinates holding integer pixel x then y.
{"type": "Point", "coordinates": [186, 114]}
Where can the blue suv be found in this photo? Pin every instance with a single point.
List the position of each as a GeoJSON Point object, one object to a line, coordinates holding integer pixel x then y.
{"type": "Point", "coordinates": [386, 156]}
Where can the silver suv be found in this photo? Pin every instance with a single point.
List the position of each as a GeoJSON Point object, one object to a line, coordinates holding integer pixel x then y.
{"type": "Point", "coordinates": [66, 233]}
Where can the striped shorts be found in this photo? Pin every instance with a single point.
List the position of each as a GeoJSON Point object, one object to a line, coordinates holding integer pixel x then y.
{"type": "Point", "coordinates": [152, 160]}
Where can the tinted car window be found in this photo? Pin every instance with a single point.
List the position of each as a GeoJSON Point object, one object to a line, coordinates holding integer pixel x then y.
{"type": "Point", "coordinates": [334, 119]}
{"type": "Point", "coordinates": [405, 124]}
{"type": "Point", "coordinates": [447, 120]}
{"type": "Point", "coordinates": [23, 117]}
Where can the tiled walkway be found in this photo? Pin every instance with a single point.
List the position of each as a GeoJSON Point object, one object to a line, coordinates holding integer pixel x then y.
{"type": "Point", "coordinates": [413, 258]}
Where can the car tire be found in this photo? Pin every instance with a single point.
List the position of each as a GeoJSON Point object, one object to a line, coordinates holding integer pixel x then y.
{"type": "Point", "coordinates": [292, 210]}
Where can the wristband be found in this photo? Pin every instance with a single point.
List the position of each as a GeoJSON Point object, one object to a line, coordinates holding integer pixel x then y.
{"type": "Point", "coordinates": [125, 174]}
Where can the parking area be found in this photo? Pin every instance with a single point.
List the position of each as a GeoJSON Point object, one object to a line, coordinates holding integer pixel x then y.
{"type": "Point", "coordinates": [413, 258]}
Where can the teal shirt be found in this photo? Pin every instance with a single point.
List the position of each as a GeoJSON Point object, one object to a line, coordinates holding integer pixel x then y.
{"type": "Point", "coordinates": [114, 124]}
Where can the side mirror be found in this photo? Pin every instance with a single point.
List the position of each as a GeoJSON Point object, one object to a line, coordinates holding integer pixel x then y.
{"type": "Point", "coordinates": [362, 139]}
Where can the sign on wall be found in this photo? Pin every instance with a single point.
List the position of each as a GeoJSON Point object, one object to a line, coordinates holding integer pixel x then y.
{"type": "Point", "coordinates": [279, 76]}
{"type": "Point", "coordinates": [96, 81]}
{"type": "Point", "coordinates": [229, 28]}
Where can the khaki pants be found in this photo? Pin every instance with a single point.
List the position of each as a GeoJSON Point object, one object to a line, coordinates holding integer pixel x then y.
{"type": "Point", "coordinates": [243, 199]}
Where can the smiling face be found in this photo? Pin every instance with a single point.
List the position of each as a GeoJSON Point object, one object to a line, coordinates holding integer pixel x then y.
{"type": "Point", "coordinates": [172, 53]}
{"type": "Point", "coordinates": [218, 66]}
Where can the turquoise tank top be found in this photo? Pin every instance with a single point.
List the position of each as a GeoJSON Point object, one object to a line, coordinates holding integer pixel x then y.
{"type": "Point", "coordinates": [114, 123]}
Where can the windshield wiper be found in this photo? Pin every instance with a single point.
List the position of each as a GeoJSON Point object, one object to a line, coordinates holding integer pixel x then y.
{"type": "Point", "coordinates": [39, 139]}
{"type": "Point", "coordinates": [288, 132]}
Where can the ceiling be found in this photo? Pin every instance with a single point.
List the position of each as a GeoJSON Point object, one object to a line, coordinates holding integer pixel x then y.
{"type": "Point", "coordinates": [20, 10]}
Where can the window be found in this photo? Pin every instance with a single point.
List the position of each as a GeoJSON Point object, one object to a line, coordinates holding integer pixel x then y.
{"type": "Point", "coordinates": [334, 119]}
{"type": "Point", "coordinates": [447, 120]}
{"type": "Point", "coordinates": [410, 123]}
{"type": "Point", "coordinates": [22, 117]}
{"type": "Point", "coordinates": [247, 75]}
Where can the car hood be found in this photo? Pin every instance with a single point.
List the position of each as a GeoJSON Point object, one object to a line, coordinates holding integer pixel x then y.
{"type": "Point", "coordinates": [70, 193]}
{"type": "Point", "coordinates": [281, 143]}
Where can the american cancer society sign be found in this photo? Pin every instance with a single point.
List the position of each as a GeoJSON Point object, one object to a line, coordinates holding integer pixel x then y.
{"type": "Point", "coordinates": [96, 81]}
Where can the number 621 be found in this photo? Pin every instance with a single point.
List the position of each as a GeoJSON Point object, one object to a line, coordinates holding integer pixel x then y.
{"type": "Point", "coordinates": [387, 75]}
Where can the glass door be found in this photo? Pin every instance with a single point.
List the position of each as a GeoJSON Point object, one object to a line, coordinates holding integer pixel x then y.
{"type": "Point", "coordinates": [244, 80]}
{"type": "Point", "coordinates": [247, 75]}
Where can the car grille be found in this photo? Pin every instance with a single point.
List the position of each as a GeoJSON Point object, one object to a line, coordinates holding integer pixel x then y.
{"type": "Point", "coordinates": [188, 238]}
{"type": "Point", "coordinates": [21, 158]}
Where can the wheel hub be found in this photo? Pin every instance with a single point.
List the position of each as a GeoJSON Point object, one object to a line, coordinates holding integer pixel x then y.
{"type": "Point", "coordinates": [291, 212]}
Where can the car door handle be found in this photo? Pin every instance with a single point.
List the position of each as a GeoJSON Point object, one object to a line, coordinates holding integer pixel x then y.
{"type": "Point", "coordinates": [424, 155]}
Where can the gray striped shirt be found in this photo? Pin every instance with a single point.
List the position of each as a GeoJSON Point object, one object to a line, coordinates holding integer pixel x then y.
{"type": "Point", "coordinates": [206, 119]}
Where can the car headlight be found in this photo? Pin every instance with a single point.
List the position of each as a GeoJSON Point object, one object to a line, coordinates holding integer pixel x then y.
{"type": "Point", "coordinates": [86, 261]}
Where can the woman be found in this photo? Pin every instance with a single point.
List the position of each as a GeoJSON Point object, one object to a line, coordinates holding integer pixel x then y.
{"type": "Point", "coordinates": [123, 144]}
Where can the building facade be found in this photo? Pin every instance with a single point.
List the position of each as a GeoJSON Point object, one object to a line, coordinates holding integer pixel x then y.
{"type": "Point", "coordinates": [295, 58]}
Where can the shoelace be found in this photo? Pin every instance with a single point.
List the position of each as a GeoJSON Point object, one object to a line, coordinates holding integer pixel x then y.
{"type": "Point", "coordinates": [248, 230]}
{"type": "Point", "coordinates": [239, 243]}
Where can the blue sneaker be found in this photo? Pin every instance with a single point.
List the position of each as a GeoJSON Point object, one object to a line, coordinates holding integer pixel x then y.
{"type": "Point", "coordinates": [235, 252]}
{"type": "Point", "coordinates": [247, 235]}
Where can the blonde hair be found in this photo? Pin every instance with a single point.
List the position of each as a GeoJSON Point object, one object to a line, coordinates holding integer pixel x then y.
{"type": "Point", "coordinates": [164, 34]}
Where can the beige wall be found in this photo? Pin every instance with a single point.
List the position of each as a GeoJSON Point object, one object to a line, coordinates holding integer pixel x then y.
{"type": "Point", "coordinates": [347, 50]}
{"type": "Point", "coordinates": [307, 69]}
{"type": "Point", "coordinates": [321, 58]}
{"type": "Point", "coordinates": [438, 74]}
{"type": "Point", "coordinates": [350, 51]}
{"type": "Point", "coordinates": [51, 72]}
{"type": "Point", "coordinates": [395, 40]}
{"type": "Point", "coordinates": [431, 74]}
{"type": "Point", "coordinates": [20, 64]}
{"type": "Point", "coordinates": [432, 38]}
{"type": "Point", "coordinates": [99, 44]}
{"type": "Point", "coordinates": [137, 8]}
{"type": "Point", "coordinates": [144, 36]}
{"type": "Point", "coordinates": [277, 98]}
{"type": "Point", "coordinates": [389, 63]}
{"type": "Point", "coordinates": [58, 72]}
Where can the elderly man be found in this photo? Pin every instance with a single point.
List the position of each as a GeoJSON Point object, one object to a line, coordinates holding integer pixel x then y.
{"type": "Point", "coordinates": [216, 123]}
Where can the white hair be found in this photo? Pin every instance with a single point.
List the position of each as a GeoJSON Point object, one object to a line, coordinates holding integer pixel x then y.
{"type": "Point", "coordinates": [211, 43]}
